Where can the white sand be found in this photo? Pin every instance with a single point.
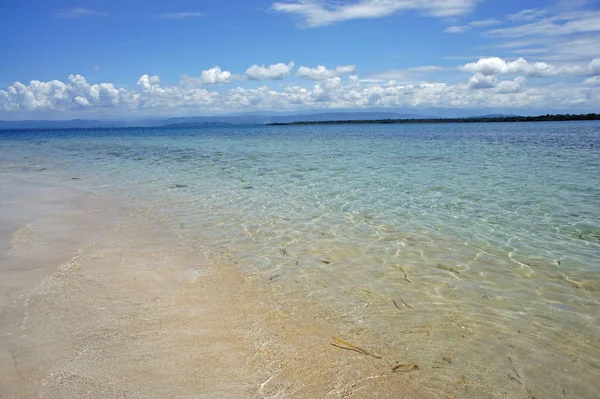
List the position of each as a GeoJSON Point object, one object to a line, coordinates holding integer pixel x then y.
{"type": "Point", "coordinates": [97, 303]}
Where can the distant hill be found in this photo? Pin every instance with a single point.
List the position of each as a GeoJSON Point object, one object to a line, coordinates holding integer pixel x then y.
{"type": "Point", "coordinates": [260, 119]}
{"type": "Point", "coordinates": [495, 116]}
{"type": "Point", "coordinates": [205, 121]}
{"type": "Point", "coordinates": [66, 124]}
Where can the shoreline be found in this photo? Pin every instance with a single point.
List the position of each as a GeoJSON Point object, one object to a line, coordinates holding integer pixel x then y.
{"type": "Point", "coordinates": [138, 310]}
{"type": "Point", "coordinates": [499, 119]}
{"type": "Point", "coordinates": [135, 310]}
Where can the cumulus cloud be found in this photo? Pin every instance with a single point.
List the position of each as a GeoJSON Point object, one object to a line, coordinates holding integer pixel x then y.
{"type": "Point", "coordinates": [320, 72]}
{"type": "Point", "coordinates": [210, 77]}
{"type": "Point", "coordinates": [321, 13]}
{"type": "Point", "coordinates": [498, 66]}
{"type": "Point", "coordinates": [481, 81]}
{"type": "Point", "coordinates": [149, 82]}
{"type": "Point", "coordinates": [341, 70]}
{"type": "Point", "coordinates": [56, 95]}
{"type": "Point", "coordinates": [274, 71]}
{"type": "Point", "coordinates": [511, 86]}
{"type": "Point", "coordinates": [215, 76]}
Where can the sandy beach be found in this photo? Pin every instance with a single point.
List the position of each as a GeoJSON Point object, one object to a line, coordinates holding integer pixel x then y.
{"type": "Point", "coordinates": [98, 302]}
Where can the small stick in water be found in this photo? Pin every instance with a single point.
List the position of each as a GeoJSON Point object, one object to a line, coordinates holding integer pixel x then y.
{"type": "Point", "coordinates": [348, 346]}
{"type": "Point", "coordinates": [405, 277]}
{"type": "Point", "coordinates": [513, 367]}
{"type": "Point", "coordinates": [405, 304]}
{"type": "Point", "coordinates": [405, 367]}
{"type": "Point", "coordinates": [514, 379]}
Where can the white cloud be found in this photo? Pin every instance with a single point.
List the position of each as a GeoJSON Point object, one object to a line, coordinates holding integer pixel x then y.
{"type": "Point", "coordinates": [181, 15]}
{"type": "Point", "coordinates": [149, 82]}
{"type": "Point", "coordinates": [321, 13]}
{"type": "Point", "coordinates": [531, 51]}
{"type": "Point", "coordinates": [473, 24]}
{"type": "Point", "coordinates": [426, 68]}
{"type": "Point", "coordinates": [77, 97]}
{"type": "Point", "coordinates": [342, 70]}
{"type": "Point", "coordinates": [527, 15]}
{"type": "Point", "coordinates": [481, 81]}
{"type": "Point", "coordinates": [511, 86]}
{"type": "Point", "coordinates": [275, 71]}
{"type": "Point", "coordinates": [56, 95]}
{"type": "Point", "coordinates": [414, 74]}
{"type": "Point", "coordinates": [593, 81]}
{"type": "Point", "coordinates": [498, 66]}
{"type": "Point", "coordinates": [456, 29]}
{"type": "Point", "coordinates": [594, 66]}
{"type": "Point", "coordinates": [212, 76]}
{"type": "Point", "coordinates": [78, 12]}
{"type": "Point", "coordinates": [583, 21]}
{"type": "Point", "coordinates": [320, 72]}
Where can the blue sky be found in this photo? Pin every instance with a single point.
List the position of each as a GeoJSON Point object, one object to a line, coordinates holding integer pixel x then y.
{"type": "Point", "coordinates": [105, 58]}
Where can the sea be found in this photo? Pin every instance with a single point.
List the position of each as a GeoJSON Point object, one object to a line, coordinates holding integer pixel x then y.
{"type": "Point", "coordinates": [481, 240]}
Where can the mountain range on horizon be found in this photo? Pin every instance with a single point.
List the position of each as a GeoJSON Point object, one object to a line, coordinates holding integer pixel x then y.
{"type": "Point", "coordinates": [229, 119]}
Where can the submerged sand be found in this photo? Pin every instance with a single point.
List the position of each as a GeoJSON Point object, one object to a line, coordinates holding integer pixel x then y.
{"type": "Point", "coordinates": [99, 300]}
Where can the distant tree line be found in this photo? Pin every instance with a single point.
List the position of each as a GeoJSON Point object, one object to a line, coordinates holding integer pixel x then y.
{"type": "Point", "coordinates": [539, 118]}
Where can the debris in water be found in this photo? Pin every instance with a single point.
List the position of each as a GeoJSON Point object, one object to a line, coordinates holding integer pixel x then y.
{"type": "Point", "coordinates": [402, 270]}
{"type": "Point", "coordinates": [514, 378]}
{"type": "Point", "coordinates": [342, 344]}
{"type": "Point", "coordinates": [447, 268]}
{"type": "Point", "coordinates": [513, 367]}
{"type": "Point", "coordinates": [402, 300]}
{"type": "Point", "coordinates": [405, 367]}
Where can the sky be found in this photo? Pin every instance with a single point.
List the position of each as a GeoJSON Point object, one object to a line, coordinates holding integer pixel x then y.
{"type": "Point", "coordinates": [128, 58]}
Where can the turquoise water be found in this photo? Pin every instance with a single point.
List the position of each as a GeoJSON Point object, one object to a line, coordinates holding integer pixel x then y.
{"type": "Point", "coordinates": [490, 227]}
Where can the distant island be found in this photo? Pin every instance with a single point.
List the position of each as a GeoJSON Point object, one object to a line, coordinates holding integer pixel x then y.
{"type": "Point", "coordinates": [516, 118]}
{"type": "Point", "coordinates": [231, 121]}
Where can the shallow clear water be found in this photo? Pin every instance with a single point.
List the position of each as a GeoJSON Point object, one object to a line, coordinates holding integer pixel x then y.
{"type": "Point", "coordinates": [490, 227]}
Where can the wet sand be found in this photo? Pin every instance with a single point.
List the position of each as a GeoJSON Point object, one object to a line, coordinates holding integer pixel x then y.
{"type": "Point", "coordinates": [102, 302]}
